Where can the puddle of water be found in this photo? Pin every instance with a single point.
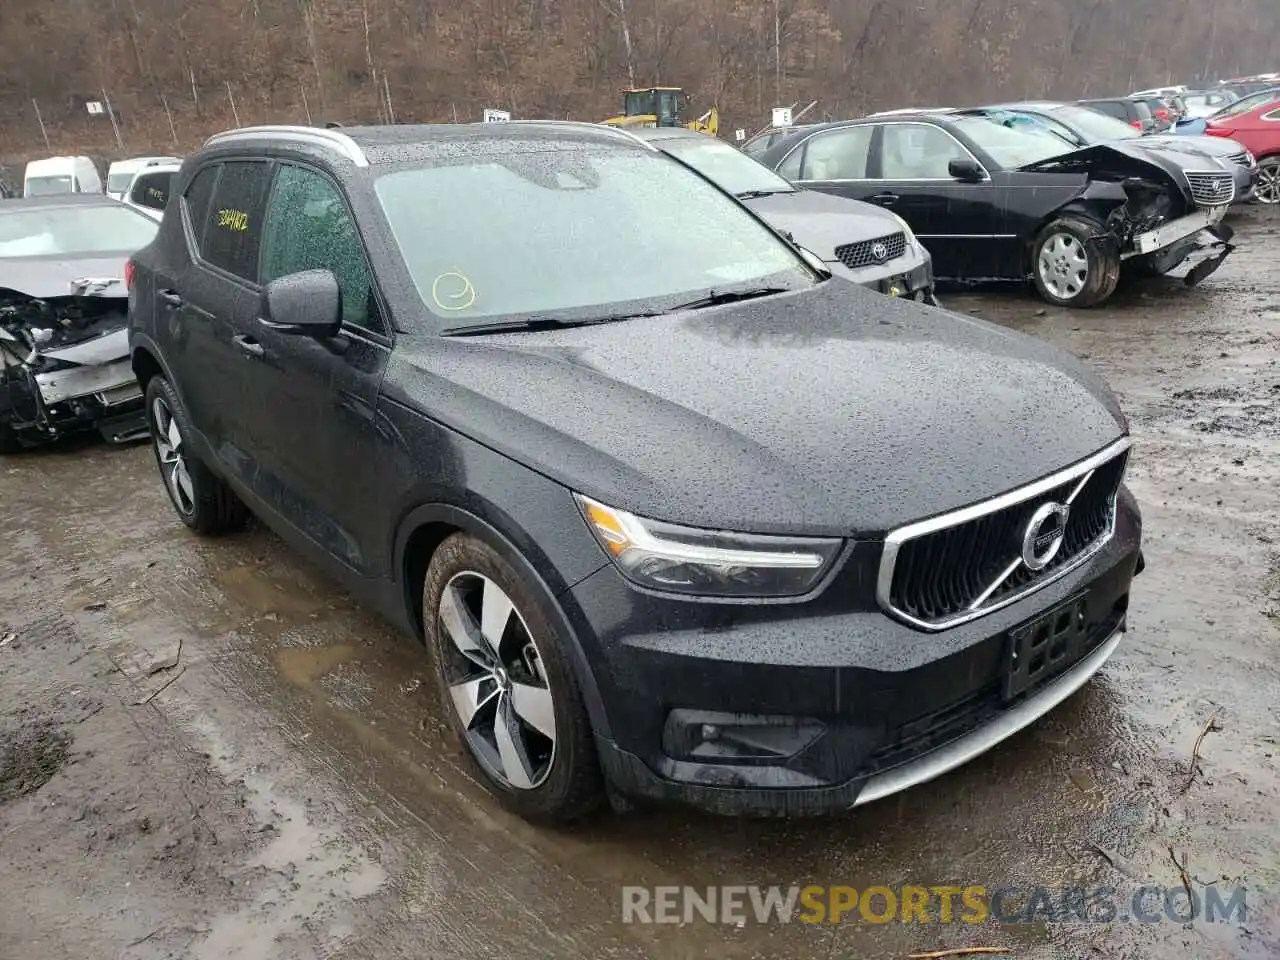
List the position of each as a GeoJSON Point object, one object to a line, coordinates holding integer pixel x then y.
{"type": "Point", "coordinates": [301, 880]}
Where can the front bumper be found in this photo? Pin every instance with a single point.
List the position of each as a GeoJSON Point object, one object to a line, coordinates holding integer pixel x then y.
{"type": "Point", "coordinates": [44, 406]}
{"type": "Point", "coordinates": [795, 712]}
{"type": "Point", "coordinates": [1168, 234]}
{"type": "Point", "coordinates": [909, 277]}
{"type": "Point", "coordinates": [1246, 184]}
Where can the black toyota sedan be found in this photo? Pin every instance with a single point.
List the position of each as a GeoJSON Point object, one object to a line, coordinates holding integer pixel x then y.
{"type": "Point", "coordinates": [673, 511]}
{"type": "Point", "coordinates": [864, 243]}
{"type": "Point", "coordinates": [992, 202]}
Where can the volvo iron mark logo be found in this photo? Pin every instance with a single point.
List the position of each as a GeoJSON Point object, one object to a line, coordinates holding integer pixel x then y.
{"type": "Point", "coordinates": [1043, 537]}
{"type": "Point", "coordinates": [880, 252]}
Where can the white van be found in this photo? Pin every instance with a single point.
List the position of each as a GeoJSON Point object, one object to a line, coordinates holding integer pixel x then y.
{"type": "Point", "coordinates": [61, 175]}
{"type": "Point", "coordinates": [121, 173]}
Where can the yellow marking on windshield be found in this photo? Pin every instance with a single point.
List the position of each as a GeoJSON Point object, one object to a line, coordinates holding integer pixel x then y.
{"type": "Point", "coordinates": [462, 297]}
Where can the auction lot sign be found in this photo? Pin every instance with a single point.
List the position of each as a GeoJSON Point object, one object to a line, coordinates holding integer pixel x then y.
{"type": "Point", "coordinates": [738, 905]}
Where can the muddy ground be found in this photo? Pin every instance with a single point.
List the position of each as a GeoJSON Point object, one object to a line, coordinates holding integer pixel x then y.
{"type": "Point", "coordinates": [206, 750]}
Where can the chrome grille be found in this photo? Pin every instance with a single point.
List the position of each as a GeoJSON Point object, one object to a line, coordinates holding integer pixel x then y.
{"type": "Point", "coordinates": [1212, 189]}
{"type": "Point", "coordinates": [864, 252]}
{"type": "Point", "coordinates": [963, 565]}
{"type": "Point", "coordinates": [1242, 159]}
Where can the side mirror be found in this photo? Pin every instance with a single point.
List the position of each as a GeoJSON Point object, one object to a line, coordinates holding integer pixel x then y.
{"type": "Point", "coordinates": [966, 169]}
{"type": "Point", "coordinates": [307, 303]}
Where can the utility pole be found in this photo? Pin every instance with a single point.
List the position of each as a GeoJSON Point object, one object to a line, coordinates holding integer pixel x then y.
{"type": "Point", "coordinates": [777, 53]}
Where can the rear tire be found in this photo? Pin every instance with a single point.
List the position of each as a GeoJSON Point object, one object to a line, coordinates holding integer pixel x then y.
{"type": "Point", "coordinates": [1268, 189]}
{"type": "Point", "coordinates": [507, 685]}
{"type": "Point", "coordinates": [1074, 262]}
{"type": "Point", "coordinates": [200, 498]}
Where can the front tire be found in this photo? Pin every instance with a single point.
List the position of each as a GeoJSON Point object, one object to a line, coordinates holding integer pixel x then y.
{"type": "Point", "coordinates": [1074, 262]}
{"type": "Point", "coordinates": [202, 501]}
{"type": "Point", "coordinates": [9, 442]}
{"type": "Point", "coordinates": [507, 685]}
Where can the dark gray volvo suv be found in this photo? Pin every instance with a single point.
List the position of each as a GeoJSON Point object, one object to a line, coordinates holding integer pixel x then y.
{"type": "Point", "coordinates": [677, 514]}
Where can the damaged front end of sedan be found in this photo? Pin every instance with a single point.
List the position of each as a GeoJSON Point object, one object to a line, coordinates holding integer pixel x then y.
{"type": "Point", "coordinates": [64, 361]}
{"type": "Point", "coordinates": [1160, 208]}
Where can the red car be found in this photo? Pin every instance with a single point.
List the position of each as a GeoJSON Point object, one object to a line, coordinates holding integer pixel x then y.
{"type": "Point", "coordinates": [1255, 122]}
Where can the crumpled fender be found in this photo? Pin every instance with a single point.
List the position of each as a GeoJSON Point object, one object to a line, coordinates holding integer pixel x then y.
{"type": "Point", "coordinates": [1119, 159]}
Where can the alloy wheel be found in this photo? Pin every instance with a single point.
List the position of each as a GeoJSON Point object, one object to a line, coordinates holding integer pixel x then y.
{"type": "Point", "coordinates": [497, 682]}
{"type": "Point", "coordinates": [171, 454]}
{"type": "Point", "coordinates": [1268, 188]}
{"type": "Point", "coordinates": [1063, 265]}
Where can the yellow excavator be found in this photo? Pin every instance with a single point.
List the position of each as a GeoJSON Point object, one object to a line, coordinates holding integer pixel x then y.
{"type": "Point", "coordinates": [663, 107]}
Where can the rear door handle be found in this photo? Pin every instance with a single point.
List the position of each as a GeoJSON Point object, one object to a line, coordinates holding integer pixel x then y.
{"type": "Point", "coordinates": [248, 345]}
{"type": "Point", "coordinates": [885, 198]}
{"type": "Point", "coordinates": [171, 297]}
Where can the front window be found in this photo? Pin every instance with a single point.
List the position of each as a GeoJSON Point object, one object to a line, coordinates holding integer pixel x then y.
{"type": "Point", "coordinates": [47, 186]}
{"type": "Point", "coordinates": [1011, 148]}
{"type": "Point", "coordinates": [1096, 127]}
{"type": "Point", "coordinates": [575, 231]}
{"type": "Point", "coordinates": [726, 166]}
{"type": "Point", "coordinates": [72, 231]}
{"type": "Point", "coordinates": [640, 103]}
{"type": "Point", "coordinates": [1018, 120]}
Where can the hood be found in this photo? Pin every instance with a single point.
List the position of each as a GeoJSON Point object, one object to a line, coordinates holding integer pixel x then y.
{"type": "Point", "coordinates": [1213, 146]}
{"type": "Point", "coordinates": [821, 222]}
{"type": "Point", "coordinates": [1169, 158]}
{"type": "Point", "coordinates": [834, 410]}
{"type": "Point", "coordinates": [47, 277]}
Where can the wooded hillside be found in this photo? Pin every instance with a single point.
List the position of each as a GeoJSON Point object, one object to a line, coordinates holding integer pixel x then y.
{"type": "Point", "coordinates": [432, 60]}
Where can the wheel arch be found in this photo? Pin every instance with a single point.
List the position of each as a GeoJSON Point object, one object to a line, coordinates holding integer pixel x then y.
{"type": "Point", "coordinates": [428, 525]}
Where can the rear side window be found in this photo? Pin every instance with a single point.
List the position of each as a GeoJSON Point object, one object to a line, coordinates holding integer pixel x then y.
{"type": "Point", "coordinates": [199, 193]}
{"type": "Point", "coordinates": [1112, 108]}
{"type": "Point", "coordinates": [233, 226]}
{"type": "Point", "coordinates": [1143, 110]}
{"type": "Point", "coordinates": [152, 190]}
{"type": "Point", "coordinates": [839, 155]}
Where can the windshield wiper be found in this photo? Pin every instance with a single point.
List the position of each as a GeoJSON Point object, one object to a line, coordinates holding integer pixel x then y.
{"type": "Point", "coordinates": [527, 324]}
{"type": "Point", "coordinates": [714, 298]}
{"type": "Point", "coordinates": [752, 194]}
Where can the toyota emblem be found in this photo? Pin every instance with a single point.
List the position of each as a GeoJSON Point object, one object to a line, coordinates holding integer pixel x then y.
{"type": "Point", "coordinates": [880, 252]}
{"type": "Point", "coordinates": [1044, 535]}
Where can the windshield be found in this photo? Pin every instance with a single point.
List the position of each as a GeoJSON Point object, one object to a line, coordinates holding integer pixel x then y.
{"type": "Point", "coordinates": [119, 182]}
{"type": "Point", "coordinates": [1011, 147]}
{"type": "Point", "coordinates": [1247, 104]}
{"type": "Point", "coordinates": [579, 230]}
{"type": "Point", "coordinates": [71, 231]}
{"type": "Point", "coordinates": [726, 166]}
{"type": "Point", "coordinates": [44, 186]}
{"type": "Point", "coordinates": [1093, 126]}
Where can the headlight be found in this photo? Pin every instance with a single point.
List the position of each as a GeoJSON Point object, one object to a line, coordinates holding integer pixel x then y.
{"type": "Point", "coordinates": [664, 556]}
{"type": "Point", "coordinates": [906, 228]}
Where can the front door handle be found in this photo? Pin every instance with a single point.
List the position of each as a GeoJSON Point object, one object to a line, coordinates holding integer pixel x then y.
{"type": "Point", "coordinates": [171, 297]}
{"type": "Point", "coordinates": [248, 345]}
{"type": "Point", "coordinates": [885, 198]}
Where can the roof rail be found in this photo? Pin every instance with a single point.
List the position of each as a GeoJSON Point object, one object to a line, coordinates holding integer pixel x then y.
{"type": "Point", "coordinates": [333, 139]}
{"type": "Point", "coordinates": [627, 134]}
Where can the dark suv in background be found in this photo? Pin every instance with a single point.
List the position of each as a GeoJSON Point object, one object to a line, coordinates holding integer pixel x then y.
{"type": "Point", "coordinates": [675, 510]}
{"type": "Point", "coordinates": [1136, 113]}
